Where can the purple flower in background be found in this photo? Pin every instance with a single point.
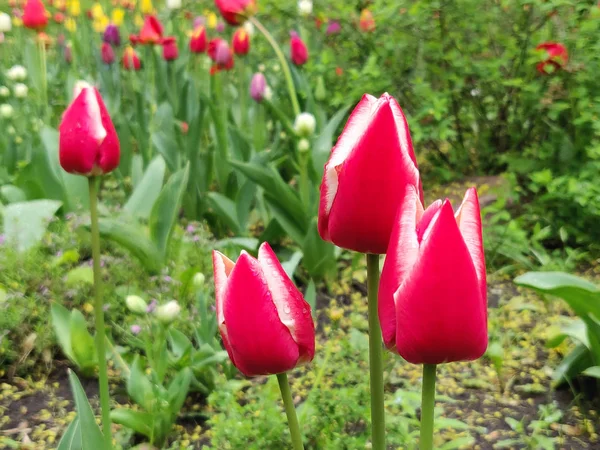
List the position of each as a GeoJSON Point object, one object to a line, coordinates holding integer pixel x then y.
{"type": "Point", "coordinates": [199, 21]}
{"type": "Point", "coordinates": [222, 53]}
{"type": "Point", "coordinates": [333, 28]}
{"type": "Point", "coordinates": [220, 27]}
{"type": "Point", "coordinates": [111, 35]}
{"type": "Point", "coordinates": [135, 329]}
{"type": "Point", "coordinates": [190, 228]}
{"type": "Point", "coordinates": [106, 307]}
{"type": "Point", "coordinates": [258, 86]}
{"type": "Point", "coordinates": [152, 306]}
{"type": "Point", "coordinates": [2, 239]}
{"type": "Point", "coordinates": [167, 279]}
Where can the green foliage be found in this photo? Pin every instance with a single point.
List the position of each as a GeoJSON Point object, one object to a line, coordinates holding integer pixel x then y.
{"type": "Point", "coordinates": [74, 338]}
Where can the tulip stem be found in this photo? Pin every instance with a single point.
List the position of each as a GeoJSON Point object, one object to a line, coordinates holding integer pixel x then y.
{"type": "Point", "coordinates": [99, 315]}
{"type": "Point", "coordinates": [44, 79]}
{"type": "Point", "coordinates": [427, 407]}
{"type": "Point", "coordinates": [375, 356]}
{"type": "Point", "coordinates": [290, 411]}
{"type": "Point", "coordinates": [284, 65]}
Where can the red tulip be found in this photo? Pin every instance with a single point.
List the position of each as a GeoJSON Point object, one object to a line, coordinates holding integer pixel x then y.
{"type": "Point", "coordinates": [34, 15]}
{"type": "Point", "coordinates": [264, 321]}
{"type": "Point", "coordinates": [364, 179]}
{"type": "Point", "coordinates": [241, 42]}
{"type": "Point", "coordinates": [88, 143]}
{"type": "Point", "coordinates": [235, 12]}
{"type": "Point", "coordinates": [298, 50]}
{"type": "Point", "coordinates": [432, 296]}
{"type": "Point", "coordinates": [170, 51]}
{"type": "Point", "coordinates": [131, 60]}
{"type": "Point", "coordinates": [556, 57]}
{"type": "Point", "coordinates": [59, 17]}
{"type": "Point", "coordinates": [198, 40]}
{"type": "Point", "coordinates": [367, 21]}
{"type": "Point", "coordinates": [107, 53]}
{"type": "Point", "coordinates": [151, 32]}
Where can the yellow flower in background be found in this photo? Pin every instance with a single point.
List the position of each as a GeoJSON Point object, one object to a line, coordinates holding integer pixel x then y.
{"type": "Point", "coordinates": [17, 22]}
{"type": "Point", "coordinates": [211, 20]}
{"type": "Point", "coordinates": [100, 24]}
{"type": "Point", "coordinates": [74, 8]}
{"type": "Point", "coordinates": [138, 21]}
{"type": "Point", "coordinates": [59, 4]}
{"type": "Point", "coordinates": [70, 24]}
{"type": "Point", "coordinates": [146, 7]}
{"type": "Point", "coordinates": [97, 11]}
{"type": "Point", "coordinates": [117, 16]}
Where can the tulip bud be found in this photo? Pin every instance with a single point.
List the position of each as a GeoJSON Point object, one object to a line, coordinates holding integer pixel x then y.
{"type": "Point", "coordinates": [320, 92]}
{"type": "Point", "coordinates": [131, 60]}
{"type": "Point", "coordinates": [235, 12]}
{"type": "Point", "coordinates": [17, 73]}
{"type": "Point", "coordinates": [265, 323]}
{"type": "Point", "coordinates": [136, 304]}
{"type": "Point", "coordinates": [298, 50]}
{"type": "Point", "coordinates": [111, 35]}
{"type": "Point", "coordinates": [435, 262]}
{"type": "Point", "coordinates": [6, 111]}
{"type": "Point", "coordinates": [198, 40]}
{"type": "Point", "coordinates": [198, 280]}
{"type": "Point", "coordinates": [4, 91]}
{"type": "Point", "coordinates": [168, 312]}
{"type": "Point", "coordinates": [199, 21]}
{"type": "Point", "coordinates": [34, 15]}
{"type": "Point", "coordinates": [21, 90]}
{"type": "Point", "coordinates": [151, 32]}
{"type": "Point", "coordinates": [305, 7]}
{"type": "Point", "coordinates": [5, 23]}
{"type": "Point", "coordinates": [107, 53]}
{"type": "Point", "coordinates": [68, 54]}
{"type": "Point", "coordinates": [88, 142]}
{"type": "Point", "coordinates": [367, 21]}
{"type": "Point", "coordinates": [305, 124]}
{"type": "Point", "coordinates": [373, 159]}
{"type": "Point", "coordinates": [240, 42]}
{"type": "Point", "coordinates": [258, 85]}
{"type": "Point", "coordinates": [173, 4]}
{"type": "Point", "coordinates": [221, 54]}
{"type": "Point", "coordinates": [170, 51]}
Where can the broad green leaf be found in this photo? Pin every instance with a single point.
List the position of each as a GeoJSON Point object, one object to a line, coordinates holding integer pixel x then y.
{"type": "Point", "coordinates": [138, 421]}
{"type": "Point", "coordinates": [82, 342]}
{"type": "Point", "coordinates": [461, 442]}
{"type": "Point", "coordinates": [592, 372]}
{"type": "Point", "coordinates": [311, 297]}
{"type": "Point", "coordinates": [163, 136]}
{"type": "Point", "coordinates": [180, 344]}
{"type": "Point", "coordinates": [291, 264]}
{"type": "Point", "coordinates": [147, 190]}
{"type": "Point", "coordinates": [226, 210]}
{"type": "Point", "coordinates": [292, 229]}
{"type": "Point", "coordinates": [248, 244]}
{"type": "Point", "coordinates": [80, 276]}
{"type": "Point", "coordinates": [244, 201]}
{"type": "Point", "coordinates": [324, 142]}
{"type": "Point", "coordinates": [165, 210]}
{"type": "Point", "coordinates": [61, 322]}
{"type": "Point", "coordinates": [25, 223]}
{"type": "Point", "coordinates": [92, 436]}
{"type": "Point", "coordinates": [572, 365]}
{"type": "Point", "coordinates": [71, 440]}
{"type": "Point", "coordinates": [139, 387]}
{"type": "Point", "coordinates": [137, 170]}
{"type": "Point", "coordinates": [576, 329]}
{"type": "Point", "coordinates": [178, 390]}
{"type": "Point", "coordinates": [319, 256]}
{"type": "Point", "coordinates": [135, 240]}
{"type": "Point", "coordinates": [12, 194]}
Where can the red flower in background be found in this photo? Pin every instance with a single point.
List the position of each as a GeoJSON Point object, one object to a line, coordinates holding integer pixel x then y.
{"type": "Point", "coordinates": [264, 321]}
{"type": "Point", "coordinates": [235, 12]}
{"type": "Point", "coordinates": [198, 40]}
{"type": "Point", "coordinates": [220, 52]}
{"type": "Point", "coordinates": [131, 60]}
{"type": "Point", "coordinates": [298, 50]}
{"type": "Point", "coordinates": [170, 51]}
{"type": "Point", "coordinates": [34, 15]}
{"type": "Point", "coordinates": [365, 177]}
{"type": "Point", "coordinates": [59, 17]}
{"type": "Point", "coordinates": [88, 143]}
{"type": "Point", "coordinates": [151, 32]}
{"type": "Point", "coordinates": [107, 53]}
{"type": "Point", "coordinates": [367, 21]}
{"type": "Point", "coordinates": [240, 42]}
{"type": "Point", "coordinates": [555, 58]}
{"type": "Point", "coordinates": [433, 295]}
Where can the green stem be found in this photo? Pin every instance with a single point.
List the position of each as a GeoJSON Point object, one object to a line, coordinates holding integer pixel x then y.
{"type": "Point", "coordinates": [290, 411]}
{"type": "Point", "coordinates": [427, 407]}
{"type": "Point", "coordinates": [284, 65]}
{"type": "Point", "coordinates": [243, 91]}
{"type": "Point", "coordinates": [44, 87]}
{"type": "Point", "coordinates": [304, 181]}
{"type": "Point", "coordinates": [375, 356]}
{"type": "Point", "coordinates": [99, 315]}
{"type": "Point", "coordinates": [221, 158]}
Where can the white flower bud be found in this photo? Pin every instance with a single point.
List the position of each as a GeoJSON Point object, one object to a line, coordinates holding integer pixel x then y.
{"type": "Point", "coordinates": [21, 90]}
{"type": "Point", "coordinates": [11, 130]}
{"type": "Point", "coordinates": [6, 110]}
{"type": "Point", "coordinates": [5, 23]}
{"type": "Point", "coordinates": [17, 73]}
{"type": "Point", "coordinates": [198, 280]}
{"type": "Point", "coordinates": [136, 304]}
{"type": "Point", "coordinates": [249, 28]}
{"type": "Point", "coordinates": [262, 67]}
{"type": "Point", "coordinates": [4, 91]}
{"type": "Point", "coordinates": [303, 145]}
{"type": "Point", "coordinates": [305, 7]}
{"type": "Point", "coordinates": [173, 4]}
{"type": "Point", "coordinates": [268, 94]}
{"type": "Point", "coordinates": [305, 124]}
{"type": "Point", "coordinates": [168, 312]}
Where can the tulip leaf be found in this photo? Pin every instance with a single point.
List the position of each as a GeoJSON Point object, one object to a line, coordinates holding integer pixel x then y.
{"type": "Point", "coordinates": [82, 342]}
{"type": "Point", "coordinates": [226, 210]}
{"type": "Point", "coordinates": [147, 190]}
{"type": "Point", "coordinates": [72, 439]}
{"type": "Point", "coordinates": [572, 365]}
{"type": "Point", "coordinates": [165, 210]}
{"type": "Point", "coordinates": [178, 390]}
{"type": "Point", "coordinates": [61, 322]}
{"type": "Point", "coordinates": [319, 255]}
{"type": "Point", "coordinates": [139, 387]}
{"type": "Point", "coordinates": [12, 194]}
{"type": "Point", "coordinates": [135, 420]}
{"type": "Point", "coordinates": [323, 143]}
{"type": "Point", "coordinates": [25, 222]}
{"type": "Point", "coordinates": [89, 428]}
{"type": "Point", "coordinates": [244, 201]}
{"type": "Point", "coordinates": [592, 372]}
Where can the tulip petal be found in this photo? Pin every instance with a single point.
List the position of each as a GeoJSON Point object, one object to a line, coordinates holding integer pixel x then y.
{"type": "Point", "coordinates": [293, 310]}
{"type": "Point", "coordinates": [81, 133]}
{"type": "Point", "coordinates": [260, 342]}
{"type": "Point", "coordinates": [222, 267]}
{"type": "Point", "coordinates": [439, 313]}
{"type": "Point", "coordinates": [468, 217]}
{"type": "Point", "coordinates": [401, 255]}
{"type": "Point", "coordinates": [109, 153]}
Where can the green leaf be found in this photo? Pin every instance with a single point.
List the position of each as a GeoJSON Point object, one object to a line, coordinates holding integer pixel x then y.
{"type": "Point", "coordinates": [163, 136]}
{"type": "Point", "coordinates": [82, 342]}
{"type": "Point", "coordinates": [135, 420]}
{"type": "Point", "coordinates": [139, 387]}
{"type": "Point", "coordinates": [319, 255]}
{"type": "Point", "coordinates": [311, 297]}
{"type": "Point", "coordinates": [165, 210]}
{"type": "Point", "coordinates": [79, 276]}
{"type": "Point", "coordinates": [461, 442]}
{"type": "Point", "coordinates": [323, 143]}
{"type": "Point", "coordinates": [576, 330]}
{"type": "Point", "coordinates": [572, 365]}
{"type": "Point", "coordinates": [178, 390]}
{"type": "Point", "coordinates": [61, 322]}
{"type": "Point", "coordinates": [291, 264]}
{"type": "Point", "coordinates": [248, 244]}
{"type": "Point", "coordinates": [147, 190]}
{"type": "Point", "coordinates": [226, 210]}
{"type": "Point", "coordinates": [71, 440]}
{"type": "Point", "coordinates": [244, 201]}
{"type": "Point", "coordinates": [12, 194]}
{"type": "Point", "coordinates": [135, 240]}
{"type": "Point", "coordinates": [25, 223]}
{"type": "Point", "coordinates": [292, 229]}
{"type": "Point", "coordinates": [180, 344]}
{"type": "Point", "coordinates": [93, 439]}
{"type": "Point", "coordinates": [592, 372]}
